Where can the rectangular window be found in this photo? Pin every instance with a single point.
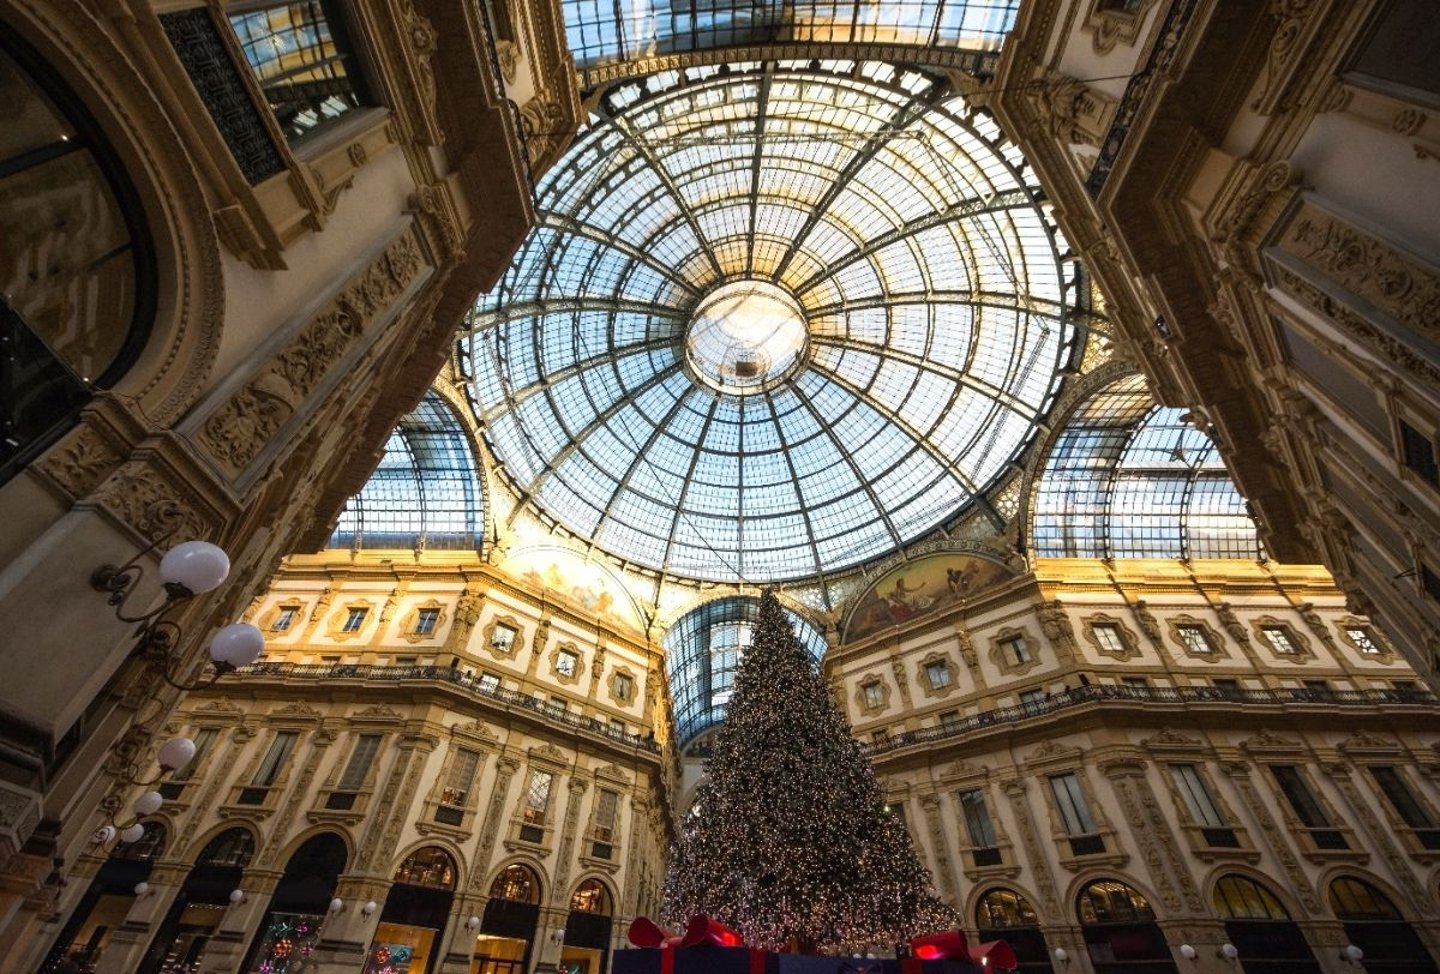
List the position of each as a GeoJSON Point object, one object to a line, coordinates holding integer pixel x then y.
{"type": "Point", "coordinates": [503, 637]}
{"type": "Point", "coordinates": [1108, 635]}
{"type": "Point", "coordinates": [617, 725]}
{"type": "Point", "coordinates": [606, 809]}
{"type": "Point", "coordinates": [406, 660]}
{"type": "Point", "coordinates": [1196, 796]}
{"type": "Point", "coordinates": [624, 686]}
{"type": "Point", "coordinates": [880, 736]}
{"type": "Point", "coordinates": [360, 759]}
{"type": "Point", "coordinates": [977, 819]}
{"type": "Point", "coordinates": [462, 776]}
{"type": "Point", "coordinates": [1017, 651]}
{"type": "Point", "coordinates": [874, 695]}
{"type": "Point", "coordinates": [425, 621]}
{"type": "Point", "coordinates": [300, 54]}
{"type": "Point", "coordinates": [556, 705]}
{"type": "Point", "coordinates": [567, 663]}
{"type": "Point", "coordinates": [1430, 581]}
{"type": "Point", "coordinates": [1226, 685]}
{"type": "Point", "coordinates": [1307, 807]}
{"type": "Point", "coordinates": [938, 673]}
{"type": "Point", "coordinates": [1196, 639]}
{"type": "Point", "coordinates": [1397, 792]}
{"type": "Point", "coordinates": [1136, 682]}
{"type": "Point", "coordinates": [275, 759]}
{"type": "Point", "coordinates": [1418, 453]}
{"type": "Point", "coordinates": [1279, 639]}
{"type": "Point", "coordinates": [204, 740]}
{"type": "Point", "coordinates": [1074, 812]}
{"type": "Point", "coordinates": [489, 682]}
{"type": "Point", "coordinates": [1318, 688]}
{"type": "Point", "coordinates": [354, 619]}
{"type": "Point", "coordinates": [1363, 641]}
{"type": "Point", "coordinates": [950, 720]}
{"type": "Point", "coordinates": [537, 797]}
{"type": "Point", "coordinates": [1034, 700]}
{"type": "Point", "coordinates": [285, 619]}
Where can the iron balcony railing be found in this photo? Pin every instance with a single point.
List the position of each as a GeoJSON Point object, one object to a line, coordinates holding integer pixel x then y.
{"type": "Point", "coordinates": [1411, 700]}
{"type": "Point", "coordinates": [454, 677]}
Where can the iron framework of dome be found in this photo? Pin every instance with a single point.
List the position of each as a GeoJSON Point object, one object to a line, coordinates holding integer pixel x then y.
{"type": "Point", "coordinates": [775, 321]}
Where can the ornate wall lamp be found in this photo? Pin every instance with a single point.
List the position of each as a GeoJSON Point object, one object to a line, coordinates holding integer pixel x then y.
{"type": "Point", "coordinates": [189, 569]}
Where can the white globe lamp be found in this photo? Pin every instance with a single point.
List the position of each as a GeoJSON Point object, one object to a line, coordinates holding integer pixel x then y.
{"type": "Point", "coordinates": [196, 566]}
{"type": "Point", "coordinates": [236, 645]}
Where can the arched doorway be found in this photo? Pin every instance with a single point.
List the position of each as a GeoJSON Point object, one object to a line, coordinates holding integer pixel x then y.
{"type": "Point", "coordinates": [507, 931]}
{"type": "Point", "coordinates": [1121, 934]}
{"type": "Point", "coordinates": [77, 271]}
{"type": "Point", "coordinates": [1003, 914]}
{"type": "Point", "coordinates": [1373, 924]}
{"type": "Point", "coordinates": [416, 911]}
{"type": "Point", "coordinates": [180, 939]}
{"type": "Point", "coordinates": [291, 926]}
{"type": "Point", "coordinates": [587, 929]}
{"type": "Point", "coordinates": [1261, 929]}
{"type": "Point", "coordinates": [106, 903]}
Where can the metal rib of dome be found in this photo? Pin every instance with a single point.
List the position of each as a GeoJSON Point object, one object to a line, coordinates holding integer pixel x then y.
{"type": "Point", "coordinates": [774, 321]}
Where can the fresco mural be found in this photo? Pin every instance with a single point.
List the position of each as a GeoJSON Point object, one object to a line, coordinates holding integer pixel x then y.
{"type": "Point", "coordinates": [919, 588]}
{"type": "Point", "coordinates": [589, 585]}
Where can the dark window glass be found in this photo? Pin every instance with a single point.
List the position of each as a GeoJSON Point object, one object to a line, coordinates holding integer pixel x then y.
{"type": "Point", "coordinates": [302, 57]}
{"type": "Point", "coordinates": [1418, 453]}
{"type": "Point", "coordinates": [1401, 798]}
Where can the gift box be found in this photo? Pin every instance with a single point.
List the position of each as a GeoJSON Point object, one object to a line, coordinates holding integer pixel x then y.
{"type": "Point", "coordinates": [694, 960]}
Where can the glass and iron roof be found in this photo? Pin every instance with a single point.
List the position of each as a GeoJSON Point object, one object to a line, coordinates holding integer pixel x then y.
{"type": "Point", "coordinates": [774, 321]}
{"type": "Point", "coordinates": [702, 654]}
{"type": "Point", "coordinates": [426, 491]}
{"type": "Point", "coordinates": [601, 31]}
{"type": "Point", "coordinates": [1130, 479]}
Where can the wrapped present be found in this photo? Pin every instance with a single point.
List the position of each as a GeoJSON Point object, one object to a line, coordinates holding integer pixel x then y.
{"type": "Point", "coordinates": [706, 946]}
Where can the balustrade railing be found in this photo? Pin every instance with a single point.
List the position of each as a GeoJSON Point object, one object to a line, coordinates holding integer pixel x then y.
{"type": "Point", "coordinates": [1103, 693]}
{"type": "Point", "coordinates": [540, 706]}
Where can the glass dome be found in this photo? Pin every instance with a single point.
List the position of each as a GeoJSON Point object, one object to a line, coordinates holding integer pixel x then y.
{"type": "Point", "coordinates": [774, 321]}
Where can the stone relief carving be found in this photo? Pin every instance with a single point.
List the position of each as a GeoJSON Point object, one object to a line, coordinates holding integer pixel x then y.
{"type": "Point", "coordinates": [1397, 284]}
{"type": "Point", "coordinates": [237, 431]}
{"type": "Point", "coordinates": [1239, 773]}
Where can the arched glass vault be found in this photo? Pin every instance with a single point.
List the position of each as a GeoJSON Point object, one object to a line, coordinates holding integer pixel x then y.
{"type": "Point", "coordinates": [1130, 479]}
{"type": "Point", "coordinates": [600, 31]}
{"type": "Point", "coordinates": [426, 491]}
{"type": "Point", "coordinates": [702, 653]}
{"type": "Point", "coordinates": [775, 321]}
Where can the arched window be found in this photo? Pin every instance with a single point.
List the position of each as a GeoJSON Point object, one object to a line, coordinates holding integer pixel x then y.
{"type": "Point", "coordinates": [1375, 925]}
{"type": "Point", "coordinates": [430, 866]}
{"type": "Point", "coordinates": [1241, 898]}
{"type": "Point", "coordinates": [1108, 901]}
{"type": "Point", "coordinates": [1120, 929]}
{"type": "Point", "coordinates": [1130, 479]}
{"type": "Point", "coordinates": [591, 896]}
{"type": "Point", "coordinates": [702, 652]}
{"type": "Point", "coordinates": [233, 847]}
{"type": "Point", "coordinates": [1355, 899]}
{"type": "Point", "coordinates": [1003, 914]}
{"type": "Point", "coordinates": [1259, 926]}
{"type": "Point", "coordinates": [516, 883]}
{"type": "Point", "coordinates": [426, 491]}
{"type": "Point", "coordinates": [76, 262]}
{"type": "Point", "coordinates": [1004, 908]}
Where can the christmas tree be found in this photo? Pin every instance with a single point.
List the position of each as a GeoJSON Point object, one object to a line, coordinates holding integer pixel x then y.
{"type": "Point", "coordinates": [790, 840]}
